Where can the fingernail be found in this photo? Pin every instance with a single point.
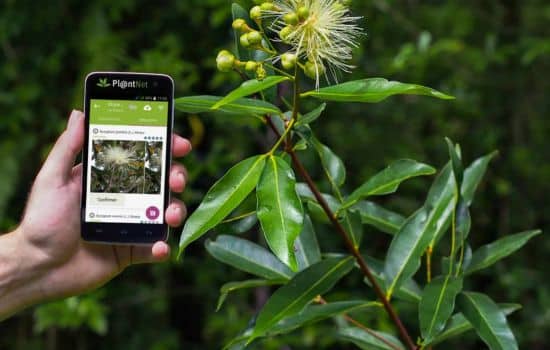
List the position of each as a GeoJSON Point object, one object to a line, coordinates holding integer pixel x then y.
{"type": "Point", "coordinates": [181, 178]}
{"type": "Point", "coordinates": [176, 209]}
{"type": "Point", "coordinates": [72, 119]}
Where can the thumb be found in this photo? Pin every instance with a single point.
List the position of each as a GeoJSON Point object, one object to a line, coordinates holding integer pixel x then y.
{"type": "Point", "coordinates": [60, 161]}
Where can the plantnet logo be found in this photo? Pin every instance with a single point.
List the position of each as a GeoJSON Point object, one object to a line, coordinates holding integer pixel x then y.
{"type": "Point", "coordinates": [122, 84]}
{"type": "Point", "coordinates": [103, 83]}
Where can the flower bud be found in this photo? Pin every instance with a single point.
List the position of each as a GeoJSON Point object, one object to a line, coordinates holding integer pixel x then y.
{"type": "Point", "coordinates": [303, 13]}
{"type": "Point", "coordinates": [267, 6]}
{"type": "Point", "coordinates": [251, 66]}
{"type": "Point", "coordinates": [313, 70]}
{"type": "Point", "coordinates": [291, 18]}
{"type": "Point", "coordinates": [256, 13]}
{"type": "Point", "coordinates": [225, 61]}
{"type": "Point", "coordinates": [288, 60]}
{"type": "Point", "coordinates": [260, 72]}
{"type": "Point", "coordinates": [285, 32]}
{"type": "Point", "coordinates": [254, 38]}
{"type": "Point", "coordinates": [244, 40]}
{"type": "Point", "coordinates": [238, 23]}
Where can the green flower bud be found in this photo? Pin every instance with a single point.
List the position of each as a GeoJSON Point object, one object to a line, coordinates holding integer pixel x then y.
{"type": "Point", "coordinates": [251, 66]}
{"type": "Point", "coordinates": [238, 23]}
{"type": "Point", "coordinates": [260, 72]}
{"type": "Point", "coordinates": [244, 40]}
{"type": "Point", "coordinates": [256, 13]}
{"type": "Point", "coordinates": [291, 18]}
{"type": "Point", "coordinates": [267, 6]}
{"type": "Point", "coordinates": [303, 13]}
{"type": "Point", "coordinates": [312, 70]}
{"type": "Point", "coordinates": [254, 38]}
{"type": "Point", "coordinates": [288, 60]}
{"type": "Point", "coordinates": [285, 32]}
{"type": "Point", "coordinates": [225, 61]}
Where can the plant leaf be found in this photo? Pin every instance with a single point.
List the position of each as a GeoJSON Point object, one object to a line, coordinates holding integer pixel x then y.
{"type": "Point", "coordinates": [456, 161]}
{"type": "Point", "coordinates": [238, 107]}
{"type": "Point", "coordinates": [300, 291]}
{"type": "Point", "coordinates": [367, 341]}
{"type": "Point", "coordinates": [280, 210]}
{"type": "Point", "coordinates": [488, 254]}
{"type": "Point", "coordinates": [388, 180]}
{"type": "Point", "coordinates": [307, 246]}
{"type": "Point", "coordinates": [222, 198]}
{"type": "Point", "coordinates": [248, 256]}
{"type": "Point", "coordinates": [233, 286]}
{"type": "Point", "coordinates": [354, 227]}
{"type": "Point", "coordinates": [316, 313]}
{"type": "Point", "coordinates": [311, 116]}
{"type": "Point", "coordinates": [250, 87]}
{"type": "Point", "coordinates": [458, 324]}
{"type": "Point", "coordinates": [409, 244]}
{"type": "Point", "coordinates": [437, 305]}
{"type": "Point", "coordinates": [375, 215]}
{"type": "Point", "coordinates": [488, 320]}
{"type": "Point", "coordinates": [473, 175]}
{"type": "Point", "coordinates": [371, 90]}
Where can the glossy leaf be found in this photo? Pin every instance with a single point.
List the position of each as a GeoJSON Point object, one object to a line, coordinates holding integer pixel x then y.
{"type": "Point", "coordinates": [368, 341]}
{"type": "Point", "coordinates": [233, 286]}
{"type": "Point", "coordinates": [238, 107]}
{"type": "Point", "coordinates": [388, 180]}
{"type": "Point", "coordinates": [377, 216]}
{"type": "Point", "coordinates": [456, 161]}
{"type": "Point", "coordinates": [488, 320]}
{"type": "Point", "coordinates": [473, 175]}
{"type": "Point", "coordinates": [222, 198]}
{"type": "Point", "coordinates": [307, 246]}
{"type": "Point", "coordinates": [248, 256]}
{"type": "Point", "coordinates": [291, 298]}
{"type": "Point", "coordinates": [354, 227]}
{"type": "Point", "coordinates": [238, 226]}
{"type": "Point", "coordinates": [489, 254]}
{"type": "Point", "coordinates": [311, 116]}
{"type": "Point", "coordinates": [409, 244]}
{"type": "Point", "coordinates": [372, 90]}
{"type": "Point", "coordinates": [250, 87]}
{"type": "Point", "coordinates": [437, 305]}
{"type": "Point", "coordinates": [316, 313]}
{"type": "Point", "coordinates": [280, 210]}
{"type": "Point", "coordinates": [458, 324]}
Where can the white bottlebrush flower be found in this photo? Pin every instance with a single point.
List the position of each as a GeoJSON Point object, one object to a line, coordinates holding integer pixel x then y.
{"type": "Point", "coordinates": [117, 155]}
{"type": "Point", "coordinates": [321, 32]}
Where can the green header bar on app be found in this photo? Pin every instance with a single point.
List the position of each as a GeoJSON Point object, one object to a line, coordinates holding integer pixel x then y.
{"type": "Point", "coordinates": [128, 112]}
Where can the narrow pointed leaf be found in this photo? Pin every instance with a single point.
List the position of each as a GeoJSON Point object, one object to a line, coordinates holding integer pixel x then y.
{"type": "Point", "coordinates": [248, 256]}
{"type": "Point", "coordinates": [250, 87]}
{"type": "Point", "coordinates": [291, 298]}
{"type": "Point", "coordinates": [307, 246]}
{"type": "Point", "coordinates": [437, 305]}
{"type": "Point", "coordinates": [488, 320]}
{"type": "Point", "coordinates": [388, 180]}
{"type": "Point", "coordinates": [316, 313]}
{"type": "Point", "coordinates": [488, 254]}
{"type": "Point", "coordinates": [238, 107]}
{"type": "Point", "coordinates": [280, 210]}
{"type": "Point", "coordinates": [354, 227]}
{"type": "Point", "coordinates": [456, 160]}
{"type": "Point", "coordinates": [233, 286]}
{"type": "Point", "coordinates": [367, 341]}
{"type": "Point", "coordinates": [458, 324]}
{"type": "Point", "coordinates": [372, 90]}
{"type": "Point", "coordinates": [222, 198]}
{"type": "Point", "coordinates": [311, 116]}
{"type": "Point", "coordinates": [473, 175]}
{"type": "Point", "coordinates": [377, 216]}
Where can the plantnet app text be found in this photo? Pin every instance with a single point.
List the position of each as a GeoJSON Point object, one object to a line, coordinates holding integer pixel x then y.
{"type": "Point", "coordinates": [126, 155]}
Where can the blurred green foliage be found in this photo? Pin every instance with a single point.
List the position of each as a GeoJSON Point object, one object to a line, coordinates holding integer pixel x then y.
{"type": "Point", "coordinates": [493, 55]}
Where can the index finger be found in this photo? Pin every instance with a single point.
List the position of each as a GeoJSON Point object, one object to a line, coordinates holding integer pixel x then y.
{"type": "Point", "coordinates": [180, 146]}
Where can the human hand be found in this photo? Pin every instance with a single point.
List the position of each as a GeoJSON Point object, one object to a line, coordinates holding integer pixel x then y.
{"type": "Point", "coordinates": [53, 261]}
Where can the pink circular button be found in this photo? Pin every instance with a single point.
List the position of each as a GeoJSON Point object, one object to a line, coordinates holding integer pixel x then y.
{"type": "Point", "coordinates": [152, 213]}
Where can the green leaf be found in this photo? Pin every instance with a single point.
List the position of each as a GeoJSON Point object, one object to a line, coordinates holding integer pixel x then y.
{"type": "Point", "coordinates": [300, 291]}
{"type": "Point", "coordinates": [437, 305]}
{"type": "Point", "coordinates": [280, 210]}
{"type": "Point", "coordinates": [371, 90]}
{"type": "Point", "coordinates": [388, 180]}
{"type": "Point", "coordinates": [488, 320]}
{"type": "Point", "coordinates": [222, 198]}
{"type": "Point", "coordinates": [248, 256]}
{"type": "Point", "coordinates": [238, 107]}
{"type": "Point", "coordinates": [456, 161]}
{"type": "Point", "coordinates": [316, 313]}
{"type": "Point", "coordinates": [233, 286]}
{"type": "Point", "coordinates": [373, 340]}
{"type": "Point", "coordinates": [458, 324]}
{"type": "Point", "coordinates": [307, 246]}
{"type": "Point", "coordinates": [409, 244]}
{"type": "Point", "coordinates": [250, 87]}
{"type": "Point", "coordinates": [311, 116]}
{"type": "Point", "coordinates": [354, 227]}
{"type": "Point", "coordinates": [473, 175]}
{"type": "Point", "coordinates": [375, 215]}
{"type": "Point", "coordinates": [488, 254]}
{"type": "Point", "coordinates": [314, 208]}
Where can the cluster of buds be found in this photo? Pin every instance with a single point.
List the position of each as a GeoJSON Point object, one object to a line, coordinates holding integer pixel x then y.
{"type": "Point", "coordinates": [226, 61]}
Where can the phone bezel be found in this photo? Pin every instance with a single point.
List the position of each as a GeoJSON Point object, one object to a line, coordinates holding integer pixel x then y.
{"type": "Point", "coordinates": [126, 233]}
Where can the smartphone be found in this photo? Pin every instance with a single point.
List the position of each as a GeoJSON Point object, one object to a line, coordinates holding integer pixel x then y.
{"type": "Point", "coordinates": [126, 157]}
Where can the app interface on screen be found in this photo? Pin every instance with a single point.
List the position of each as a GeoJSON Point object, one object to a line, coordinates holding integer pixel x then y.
{"type": "Point", "coordinates": [126, 153]}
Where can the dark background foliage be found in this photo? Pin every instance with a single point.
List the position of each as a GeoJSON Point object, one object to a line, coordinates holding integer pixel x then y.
{"type": "Point", "coordinates": [493, 55]}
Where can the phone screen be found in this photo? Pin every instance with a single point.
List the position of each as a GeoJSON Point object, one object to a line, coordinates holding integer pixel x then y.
{"type": "Point", "coordinates": [126, 157]}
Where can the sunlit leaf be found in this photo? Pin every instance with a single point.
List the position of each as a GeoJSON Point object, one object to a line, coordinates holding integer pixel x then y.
{"type": "Point", "coordinates": [311, 116]}
{"type": "Point", "coordinates": [307, 246]}
{"type": "Point", "coordinates": [233, 286]}
{"type": "Point", "coordinates": [250, 87]}
{"type": "Point", "coordinates": [373, 340]}
{"type": "Point", "coordinates": [473, 175]}
{"type": "Point", "coordinates": [377, 216]}
{"type": "Point", "coordinates": [238, 107]}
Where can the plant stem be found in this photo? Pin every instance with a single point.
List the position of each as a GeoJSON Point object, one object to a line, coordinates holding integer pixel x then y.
{"type": "Point", "coordinates": [429, 252]}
